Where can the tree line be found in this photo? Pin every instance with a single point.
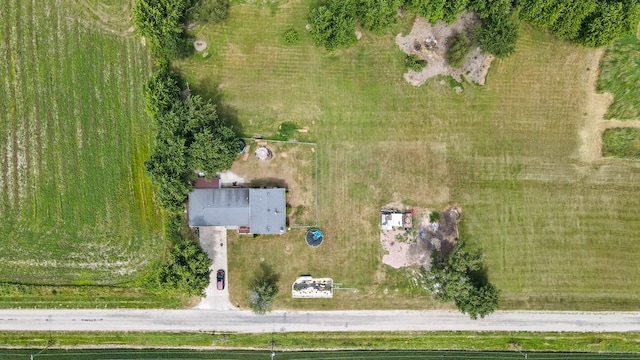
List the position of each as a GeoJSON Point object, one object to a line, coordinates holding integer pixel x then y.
{"type": "Point", "coordinates": [588, 22]}
{"type": "Point", "coordinates": [190, 137]}
{"type": "Point", "coordinates": [162, 23]}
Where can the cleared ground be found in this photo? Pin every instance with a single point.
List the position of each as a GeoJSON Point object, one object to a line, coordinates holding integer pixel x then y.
{"type": "Point", "coordinates": [76, 205]}
{"type": "Point", "coordinates": [558, 233]}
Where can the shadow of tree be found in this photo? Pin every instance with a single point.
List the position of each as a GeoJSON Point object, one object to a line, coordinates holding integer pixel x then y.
{"type": "Point", "coordinates": [210, 90]}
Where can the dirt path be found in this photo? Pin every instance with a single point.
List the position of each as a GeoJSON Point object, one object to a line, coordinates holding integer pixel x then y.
{"type": "Point", "coordinates": [595, 109]}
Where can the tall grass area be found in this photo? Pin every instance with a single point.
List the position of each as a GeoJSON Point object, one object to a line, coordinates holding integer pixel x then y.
{"type": "Point", "coordinates": [619, 75]}
{"type": "Point", "coordinates": [621, 143]}
{"type": "Point", "coordinates": [77, 207]}
{"type": "Point", "coordinates": [213, 346]}
{"type": "Point", "coordinates": [556, 233]}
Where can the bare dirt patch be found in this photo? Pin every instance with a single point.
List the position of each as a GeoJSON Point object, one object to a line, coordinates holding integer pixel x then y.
{"type": "Point", "coordinates": [414, 246]}
{"type": "Point", "coordinates": [431, 42]}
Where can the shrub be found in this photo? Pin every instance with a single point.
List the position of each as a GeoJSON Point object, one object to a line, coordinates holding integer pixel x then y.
{"type": "Point", "coordinates": [263, 289]}
{"type": "Point", "coordinates": [459, 49]}
{"type": "Point", "coordinates": [415, 63]}
{"type": "Point", "coordinates": [286, 130]}
{"type": "Point", "coordinates": [290, 36]}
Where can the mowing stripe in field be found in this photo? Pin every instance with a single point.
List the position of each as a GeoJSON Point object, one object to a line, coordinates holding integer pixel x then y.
{"type": "Point", "coordinates": [73, 140]}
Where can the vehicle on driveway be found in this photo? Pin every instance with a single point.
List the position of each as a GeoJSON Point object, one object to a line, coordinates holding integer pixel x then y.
{"type": "Point", "coordinates": [220, 279]}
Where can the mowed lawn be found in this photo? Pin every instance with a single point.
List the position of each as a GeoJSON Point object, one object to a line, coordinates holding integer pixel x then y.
{"type": "Point", "coordinates": [557, 233]}
{"type": "Point", "coordinates": [76, 205]}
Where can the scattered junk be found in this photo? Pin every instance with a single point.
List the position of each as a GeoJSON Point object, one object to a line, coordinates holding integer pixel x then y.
{"type": "Point", "coordinates": [430, 43]}
{"type": "Point", "coordinates": [410, 235]}
{"type": "Point", "coordinates": [309, 287]}
{"type": "Point", "coordinates": [264, 153]}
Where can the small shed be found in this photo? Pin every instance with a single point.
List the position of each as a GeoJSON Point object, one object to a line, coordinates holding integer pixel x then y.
{"type": "Point", "coordinates": [389, 220]}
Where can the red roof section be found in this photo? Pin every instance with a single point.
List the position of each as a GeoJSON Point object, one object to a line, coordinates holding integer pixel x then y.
{"type": "Point", "coordinates": [202, 183]}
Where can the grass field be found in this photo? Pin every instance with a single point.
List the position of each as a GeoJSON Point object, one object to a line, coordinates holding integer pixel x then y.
{"type": "Point", "coordinates": [483, 341]}
{"type": "Point", "coordinates": [557, 233]}
{"type": "Point", "coordinates": [77, 208]}
{"type": "Point", "coordinates": [620, 76]}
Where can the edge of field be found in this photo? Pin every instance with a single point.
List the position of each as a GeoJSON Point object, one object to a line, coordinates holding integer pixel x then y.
{"type": "Point", "coordinates": [476, 341]}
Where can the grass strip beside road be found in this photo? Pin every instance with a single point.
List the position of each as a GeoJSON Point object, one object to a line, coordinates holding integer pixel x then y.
{"type": "Point", "coordinates": [485, 341]}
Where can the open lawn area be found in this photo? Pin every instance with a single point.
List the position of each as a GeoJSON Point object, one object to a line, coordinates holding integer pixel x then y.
{"type": "Point", "coordinates": [77, 207]}
{"type": "Point", "coordinates": [558, 232]}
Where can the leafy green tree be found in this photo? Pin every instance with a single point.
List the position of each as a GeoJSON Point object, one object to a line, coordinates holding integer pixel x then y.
{"type": "Point", "coordinates": [332, 25]}
{"type": "Point", "coordinates": [459, 49]}
{"type": "Point", "coordinates": [263, 289]}
{"type": "Point", "coordinates": [608, 22]}
{"type": "Point", "coordinates": [161, 91]}
{"type": "Point", "coordinates": [209, 11]}
{"type": "Point", "coordinates": [378, 15]}
{"type": "Point", "coordinates": [432, 10]}
{"type": "Point", "coordinates": [568, 25]}
{"type": "Point", "coordinates": [161, 22]}
{"type": "Point", "coordinates": [488, 8]}
{"type": "Point", "coordinates": [498, 35]}
{"type": "Point", "coordinates": [457, 277]}
{"type": "Point", "coordinates": [167, 167]}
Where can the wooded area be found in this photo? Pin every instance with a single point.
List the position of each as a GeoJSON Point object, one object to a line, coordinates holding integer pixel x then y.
{"type": "Point", "coordinates": [591, 23]}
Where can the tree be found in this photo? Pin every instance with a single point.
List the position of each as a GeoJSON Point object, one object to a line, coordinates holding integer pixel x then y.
{"type": "Point", "coordinates": [209, 11]}
{"type": "Point", "coordinates": [332, 25]}
{"type": "Point", "coordinates": [161, 22]}
{"type": "Point", "coordinates": [186, 266]}
{"type": "Point", "coordinates": [432, 10]}
{"type": "Point", "coordinates": [498, 35]}
{"type": "Point", "coordinates": [263, 289]}
{"type": "Point", "coordinates": [161, 91]}
{"type": "Point", "coordinates": [608, 22]}
{"type": "Point", "coordinates": [378, 15]}
{"type": "Point", "coordinates": [459, 49]}
{"type": "Point", "coordinates": [458, 277]}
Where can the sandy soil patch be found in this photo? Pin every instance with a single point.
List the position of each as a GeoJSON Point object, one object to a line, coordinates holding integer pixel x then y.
{"type": "Point", "coordinates": [431, 42]}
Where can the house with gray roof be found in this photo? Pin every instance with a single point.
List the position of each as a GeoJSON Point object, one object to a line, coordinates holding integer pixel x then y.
{"type": "Point", "coordinates": [256, 211]}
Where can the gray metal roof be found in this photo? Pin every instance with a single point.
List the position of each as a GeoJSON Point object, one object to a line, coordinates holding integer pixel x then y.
{"type": "Point", "coordinates": [268, 211]}
{"type": "Point", "coordinates": [263, 210]}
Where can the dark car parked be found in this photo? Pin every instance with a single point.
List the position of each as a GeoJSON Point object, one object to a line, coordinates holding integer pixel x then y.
{"type": "Point", "coordinates": [220, 279]}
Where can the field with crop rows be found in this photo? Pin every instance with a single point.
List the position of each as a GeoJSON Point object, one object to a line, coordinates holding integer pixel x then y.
{"type": "Point", "coordinates": [75, 204]}
{"type": "Point", "coordinates": [558, 232]}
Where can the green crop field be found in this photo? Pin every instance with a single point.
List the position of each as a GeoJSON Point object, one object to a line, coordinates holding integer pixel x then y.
{"type": "Point", "coordinates": [114, 354]}
{"type": "Point", "coordinates": [558, 232]}
{"type": "Point", "coordinates": [76, 205]}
